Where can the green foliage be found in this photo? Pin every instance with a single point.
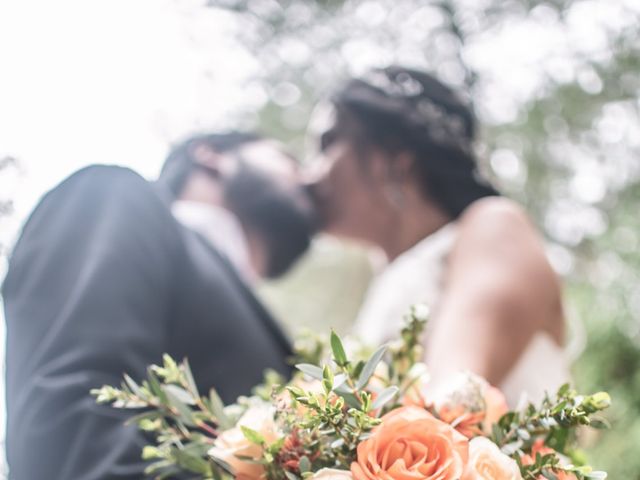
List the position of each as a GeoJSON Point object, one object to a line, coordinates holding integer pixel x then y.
{"type": "Point", "coordinates": [183, 423]}
{"type": "Point", "coordinates": [516, 432]}
{"type": "Point", "coordinates": [322, 428]}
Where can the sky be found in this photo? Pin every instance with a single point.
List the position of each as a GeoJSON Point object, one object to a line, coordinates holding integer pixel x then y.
{"type": "Point", "coordinates": [86, 81]}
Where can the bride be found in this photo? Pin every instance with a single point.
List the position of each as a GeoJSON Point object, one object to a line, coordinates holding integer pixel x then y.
{"type": "Point", "coordinates": [399, 172]}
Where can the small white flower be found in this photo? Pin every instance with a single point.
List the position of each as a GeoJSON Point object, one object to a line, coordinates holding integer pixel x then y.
{"type": "Point", "coordinates": [421, 311]}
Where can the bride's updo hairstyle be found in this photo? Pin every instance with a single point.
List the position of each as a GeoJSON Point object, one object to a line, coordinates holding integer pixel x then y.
{"type": "Point", "coordinates": [403, 110]}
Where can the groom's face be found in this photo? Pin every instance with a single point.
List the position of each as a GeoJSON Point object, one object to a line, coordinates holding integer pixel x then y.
{"type": "Point", "coordinates": [264, 191]}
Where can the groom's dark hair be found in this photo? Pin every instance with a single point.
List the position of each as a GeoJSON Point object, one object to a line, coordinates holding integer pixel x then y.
{"type": "Point", "coordinates": [179, 164]}
{"type": "Point", "coordinates": [400, 109]}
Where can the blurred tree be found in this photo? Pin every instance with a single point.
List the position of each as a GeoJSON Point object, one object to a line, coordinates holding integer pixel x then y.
{"type": "Point", "coordinates": [6, 203]}
{"type": "Point", "coordinates": [566, 144]}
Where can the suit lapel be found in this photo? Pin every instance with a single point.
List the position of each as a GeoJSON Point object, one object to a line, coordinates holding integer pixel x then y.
{"type": "Point", "coordinates": [273, 327]}
{"type": "Point", "coordinates": [279, 335]}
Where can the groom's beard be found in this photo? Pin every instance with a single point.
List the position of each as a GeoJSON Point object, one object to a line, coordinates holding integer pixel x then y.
{"type": "Point", "coordinates": [283, 218]}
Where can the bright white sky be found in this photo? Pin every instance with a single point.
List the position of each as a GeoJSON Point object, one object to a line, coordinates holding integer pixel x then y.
{"type": "Point", "coordinates": [108, 82]}
{"type": "Point", "coordinates": [87, 81]}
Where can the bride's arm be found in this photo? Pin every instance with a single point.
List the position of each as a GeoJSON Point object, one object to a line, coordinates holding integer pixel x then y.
{"type": "Point", "coordinates": [499, 290]}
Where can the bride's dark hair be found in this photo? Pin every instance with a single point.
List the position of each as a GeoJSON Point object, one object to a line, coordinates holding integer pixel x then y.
{"type": "Point", "coordinates": [400, 109]}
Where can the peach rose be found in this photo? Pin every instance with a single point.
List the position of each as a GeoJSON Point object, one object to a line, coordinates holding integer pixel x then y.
{"type": "Point", "coordinates": [232, 443]}
{"type": "Point", "coordinates": [469, 403]}
{"type": "Point", "coordinates": [411, 443]}
{"type": "Point", "coordinates": [487, 462]}
{"type": "Point", "coordinates": [332, 474]}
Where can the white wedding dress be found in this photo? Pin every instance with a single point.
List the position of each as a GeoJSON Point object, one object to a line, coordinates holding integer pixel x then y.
{"type": "Point", "coordinates": [416, 277]}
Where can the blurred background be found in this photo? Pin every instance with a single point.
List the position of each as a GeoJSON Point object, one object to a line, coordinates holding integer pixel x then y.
{"type": "Point", "coordinates": [555, 83]}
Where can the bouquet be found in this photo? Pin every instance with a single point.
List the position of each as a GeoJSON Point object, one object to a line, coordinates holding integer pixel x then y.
{"type": "Point", "coordinates": [349, 416]}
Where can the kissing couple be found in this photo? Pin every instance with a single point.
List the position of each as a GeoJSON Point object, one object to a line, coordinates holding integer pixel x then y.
{"type": "Point", "coordinates": [112, 271]}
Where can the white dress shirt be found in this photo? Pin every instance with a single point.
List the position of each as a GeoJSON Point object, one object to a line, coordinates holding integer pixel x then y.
{"type": "Point", "coordinates": [221, 229]}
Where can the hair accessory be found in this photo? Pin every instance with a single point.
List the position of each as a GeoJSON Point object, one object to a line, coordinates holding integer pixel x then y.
{"type": "Point", "coordinates": [441, 126]}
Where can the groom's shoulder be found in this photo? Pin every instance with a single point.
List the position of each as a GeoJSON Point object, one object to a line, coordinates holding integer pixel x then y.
{"type": "Point", "coordinates": [95, 184]}
{"type": "Point", "coordinates": [100, 193]}
{"type": "Point", "coordinates": [102, 176]}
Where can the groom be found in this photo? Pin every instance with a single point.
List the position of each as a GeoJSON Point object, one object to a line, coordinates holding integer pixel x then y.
{"type": "Point", "coordinates": [112, 271]}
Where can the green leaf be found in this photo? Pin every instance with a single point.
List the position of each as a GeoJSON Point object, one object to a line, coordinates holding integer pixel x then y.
{"type": "Point", "coordinates": [599, 423]}
{"type": "Point", "coordinates": [600, 400]}
{"type": "Point", "coordinates": [291, 476]}
{"type": "Point", "coordinates": [339, 380]}
{"type": "Point", "coordinates": [563, 390]}
{"type": "Point", "coordinates": [190, 380]}
{"type": "Point", "coordinates": [339, 354]}
{"type": "Point", "coordinates": [327, 379]}
{"type": "Point", "coordinates": [370, 367]}
{"type": "Point", "coordinates": [305, 464]}
{"type": "Point", "coordinates": [150, 452]}
{"type": "Point", "coordinates": [312, 370]}
{"type": "Point", "coordinates": [180, 393]}
{"type": "Point", "coordinates": [350, 398]}
{"type": "Point", "coordinates": [217, 408]}
{"type": "Point", "coordinates": [511, 448]}
{"type": "Point", "coordinates": [384, 397]}
{"type": "Point", "coordinates": [598, 475]}
{"type": "Point", "coordinates": [252, 435]}
{"type": "Point", "coordinates": [192, 463]}
{"type": "Point", "coordinates": [156, 387]}
{"type": "Point", "coordinates": [135, 388]}
{"type": "Point", "coordinates": [185, 415]}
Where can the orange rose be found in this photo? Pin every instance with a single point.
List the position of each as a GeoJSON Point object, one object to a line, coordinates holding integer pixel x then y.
{"type": "Point", "coordinates": [487, 462]}
{"type": "Point", "coordinates": [411, 444]}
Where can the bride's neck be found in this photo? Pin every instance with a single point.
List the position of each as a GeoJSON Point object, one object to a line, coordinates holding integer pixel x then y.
{"type": "Point", "coordinates": [410, 226]}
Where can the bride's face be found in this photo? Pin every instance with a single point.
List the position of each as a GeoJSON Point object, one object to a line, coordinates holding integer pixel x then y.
{"type": "Point", "coordinates": [348, 189]}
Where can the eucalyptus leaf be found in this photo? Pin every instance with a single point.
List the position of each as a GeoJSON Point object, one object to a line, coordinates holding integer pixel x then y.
{"type": "Point", "coordinates": [217, 408]}
{"type": "Point", "coordinates": [190, 380]}
{"type": "Point", "coordinates": [312, 370]}
{"type": "Point", "coordinates": [185, 415]}
{"type": "Point", "coordinates": [180, 393]}
{"type": "Point", "coordinates": [337, 348]}
{"type": "Point", "coordinates": [370, 367]}
{"type": "Point", "coordinates": [384, 397]}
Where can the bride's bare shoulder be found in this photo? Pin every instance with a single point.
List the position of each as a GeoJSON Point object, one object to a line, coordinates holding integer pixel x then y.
{"type": "Point", "coordinates": [492, 214]}
{"type": "Point", "coordinates": [497, 236]}
{"type": "Point", "coordinates": [500, 225]}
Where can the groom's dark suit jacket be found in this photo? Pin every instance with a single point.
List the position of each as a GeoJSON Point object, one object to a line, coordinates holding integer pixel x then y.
{"type": "Point", "coordinates": [103, 281]}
